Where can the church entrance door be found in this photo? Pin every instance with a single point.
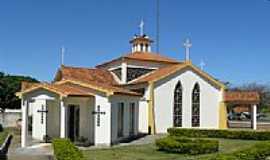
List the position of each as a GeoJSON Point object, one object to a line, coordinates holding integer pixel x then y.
{"type": "Point", "coordinates": [74, 122]}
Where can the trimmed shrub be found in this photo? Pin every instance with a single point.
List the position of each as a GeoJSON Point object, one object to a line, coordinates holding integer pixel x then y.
{"type": "Point", "coordinates": [3, 136]}
{"type": "Point", "coordinates": [1, 128]}
{"type": "Point", "coordinates": [187, 146]}
{"type": "Point", "coordinates": [259, 151]}
{"type": "Point", "coordinates": [65, 150]}
{"type": "Point", "coordinates": [212, 133]}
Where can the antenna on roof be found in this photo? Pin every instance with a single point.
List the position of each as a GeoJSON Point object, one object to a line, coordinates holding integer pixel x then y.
{"type": "Point", "coordinates": [62, 55]}
{"type": "Point", "coordinates": [157, 29]}
{"type": "Point", "coordinates": [141, 26]}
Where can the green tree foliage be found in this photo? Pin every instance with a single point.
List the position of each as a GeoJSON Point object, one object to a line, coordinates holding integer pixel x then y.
{"type": "Point", "coordinates": [9, 85]}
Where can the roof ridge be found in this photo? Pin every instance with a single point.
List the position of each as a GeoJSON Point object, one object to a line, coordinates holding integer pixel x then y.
{"type": "Point", "coordinates": [86, 68]}
{"type": "Point", "coordinates": [154, 57]}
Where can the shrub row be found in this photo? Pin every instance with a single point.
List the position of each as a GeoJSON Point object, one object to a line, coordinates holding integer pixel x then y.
{"type": "Point", "coordinates": [259, 151]}
{"type": "Point", "coordinates": [187, 146]}
{"type": "Point", "coordinates": [65, 150]}
{"type": "Point", "coordinates": [229, 134]}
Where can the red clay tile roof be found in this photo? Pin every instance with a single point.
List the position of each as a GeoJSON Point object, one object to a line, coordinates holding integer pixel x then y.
{"type": "Point", "coordinates": [27, 85]}
{"type": "Point", "coordinates": [85, 75]}
{"type": "Point", "coordinates": [158, 74]}
{"type": "Point", "coordinates": [66, 89]}
{"type": "Point", "coordinates": [144, 56]}
{"type": "Point", "coordinates": [171, 69]}
{"type": "Point", "coordinates": [92, 78]}
{"type": "Point", "coordinates": [242, 97]}
{"type": "Point", "coordinates": [147, 56]}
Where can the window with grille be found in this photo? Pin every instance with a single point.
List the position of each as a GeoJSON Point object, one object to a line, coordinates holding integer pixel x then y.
{"type": "Point", "coordinates": [177, 112]}
{"type": "Point", "coordinates": [196, 106]}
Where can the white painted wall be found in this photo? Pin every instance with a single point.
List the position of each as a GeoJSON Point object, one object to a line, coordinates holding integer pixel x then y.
{"type": "Point", "coordinates": [53, 119]}
{"type": "Point", "coordinates": [36, 99]}
{"type": "Point", "coordinates": [86, 105]}
{"type": "Point", "coordinates": [143, 112]}
{"type": "Point", "coordinates": [164, 97]}
{"type": "Point", "coordinates": [39, 129]}
{"type": "Point", "coordinates": [126, 100]}
{"type": "Point", "coordinates": [103, 132]}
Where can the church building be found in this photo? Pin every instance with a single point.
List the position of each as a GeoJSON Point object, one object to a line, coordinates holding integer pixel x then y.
{"type": "Point", "coordinates": [137, 93]}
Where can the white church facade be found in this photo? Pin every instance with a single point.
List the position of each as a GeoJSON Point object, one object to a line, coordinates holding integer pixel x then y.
{"type": "Point", "coordinates": [140, 92]}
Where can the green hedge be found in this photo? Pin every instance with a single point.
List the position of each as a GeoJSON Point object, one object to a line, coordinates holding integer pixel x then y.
{"type": "Point", "coordinates": [187, 146]}
{"type": "Point", "coordinates": [65, 150]}
{"type": "Point", "coordinates": [229, 134]}
{"type": "Point", "coordinates": [3, 136]}
{"type": "Point", "coordinates": [259, 151]}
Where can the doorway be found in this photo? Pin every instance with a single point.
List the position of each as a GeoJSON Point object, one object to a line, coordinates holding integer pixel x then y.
{"type": "Point", "coordinates": [74, 122]}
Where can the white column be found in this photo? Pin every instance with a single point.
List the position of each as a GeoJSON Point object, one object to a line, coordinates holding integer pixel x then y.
{"type": "Point", "coordinates": [254, 116]}
{"type": "Point", "coordinates": [138, 48]}
{"type": "Point", "coordinates": [24, 130]}
{"type": "Point", "coordinates": [62, 120]}
{"type": "Point", "coordinates": [124, 73]}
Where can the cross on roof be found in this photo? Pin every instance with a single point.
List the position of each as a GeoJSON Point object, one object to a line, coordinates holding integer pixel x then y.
{"type": "Point", "coordinates": [202, 64]}
{"type": "Point", "coordinates": [187, 44]}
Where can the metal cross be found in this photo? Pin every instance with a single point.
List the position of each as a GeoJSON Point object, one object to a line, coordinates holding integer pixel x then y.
{"type": "Point", "coordinates": [187, 44]}
{"type": "Point", "coordinates": [98, 113]}
{"type": "Point", "coordinates": [202, 64]}
{"type": "Point", "coordinates": [42, 111]}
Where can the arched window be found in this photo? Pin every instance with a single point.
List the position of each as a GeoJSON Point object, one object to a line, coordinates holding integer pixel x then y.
{"type": "Point", "coordinates": [196, 106]}
{"type": "Point", "coordinates": [177, 110]}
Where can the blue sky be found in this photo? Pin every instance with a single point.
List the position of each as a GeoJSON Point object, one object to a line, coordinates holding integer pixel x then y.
{"type": "Point", "coordinates": [231, 36]}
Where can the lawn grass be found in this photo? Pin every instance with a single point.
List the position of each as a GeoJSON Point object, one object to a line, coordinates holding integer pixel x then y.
{"type": "Point", "coordinates": [149, 152]}
{"type": "Point", "coordinates": [3, 136]}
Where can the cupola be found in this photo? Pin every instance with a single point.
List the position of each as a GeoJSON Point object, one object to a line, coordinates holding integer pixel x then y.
{"type": "Point", "coordinates": [141, 43]}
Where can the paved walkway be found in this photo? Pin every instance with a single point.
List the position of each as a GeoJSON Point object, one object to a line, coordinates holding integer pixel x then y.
{"type": "Point", "coordinates": [36, 152]}
{"type": "Point", "coordinates": [147, 139]}
{"type": "Point", "coordinates": [143, 140]}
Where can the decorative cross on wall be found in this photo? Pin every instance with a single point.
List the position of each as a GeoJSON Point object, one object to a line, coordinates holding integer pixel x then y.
{"type": "Point", "coordinates": [42, 111]}
{"type": "Point", "coordinates": [98, 113]}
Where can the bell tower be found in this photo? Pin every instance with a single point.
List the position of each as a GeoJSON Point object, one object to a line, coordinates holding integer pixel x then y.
{"type": "Point", "coordinates": [141, 43]}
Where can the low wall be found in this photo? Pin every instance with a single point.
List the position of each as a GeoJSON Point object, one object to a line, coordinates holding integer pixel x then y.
{"type": "Point", "coordinates": [247, 124]}
{"type": "Point", "coordinates": [10, 118]}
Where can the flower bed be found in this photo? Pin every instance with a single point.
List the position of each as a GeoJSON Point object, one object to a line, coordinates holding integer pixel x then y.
{"type": "Point", "coordinates": [187, 146]}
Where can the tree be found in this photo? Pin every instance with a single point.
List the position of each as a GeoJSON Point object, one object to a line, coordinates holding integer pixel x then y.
{"type": "Point", "coordinates": [9, 85]}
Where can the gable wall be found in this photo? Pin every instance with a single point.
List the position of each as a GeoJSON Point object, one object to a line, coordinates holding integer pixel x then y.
{"type": "Point", "coordinates": [164, 99]}
{"type": "Point", "coordinates": [131, 64]}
